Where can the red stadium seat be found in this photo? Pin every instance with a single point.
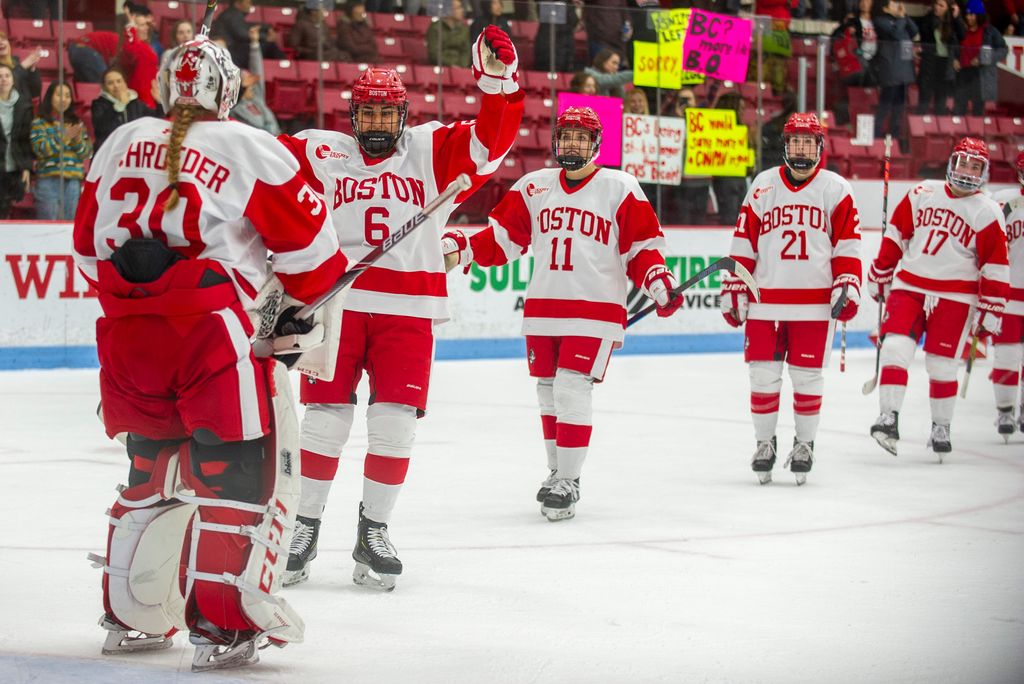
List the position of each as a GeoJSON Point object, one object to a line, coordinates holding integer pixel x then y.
{"type": "Point", "coordinates": [416, 49]}
{"type": "Point", "coordinates": [420, 24]}
{"type": "Point", "coordinates": [953, 126]}
{"type": "Point", "coordinates": [457, 106]}
{"type": "Point", "coordinates": [522, 29]}
{"type": "Point", "coordinates": [462, 78]}
{"type": "Point", "coordinates": [385, 24]}
{"type": "Point", "coordinates": [538, 109]}
{"type": "Point", "coordinates": [85, 93]}
{"type": "Point", "coordinates": [283, 69]}
{"type": "Point", "coordinates": [278, 16]}
{"type": "Point", "coordinates": [310, 70]}
{"type": "Point", "coordinates": [426, 77]}
{"type": "Point", "coordinates": [348, 72]}
{"type": "Point", "coordinates": [73, 29]}
{"type": "Point", "coordinates": [423, 106]}
{"type": "Point", "coordinates": [390, 49]}
{"type": "Point", "coordinates": [291, 99]}
{"type": "Point", "coordinates": [29, 31]}
{"type": "Point", "coordinates": [1011, 127]}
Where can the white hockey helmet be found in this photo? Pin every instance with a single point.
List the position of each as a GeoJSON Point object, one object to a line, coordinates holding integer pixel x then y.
{"type": "Point", "coordinates": [200, 73]}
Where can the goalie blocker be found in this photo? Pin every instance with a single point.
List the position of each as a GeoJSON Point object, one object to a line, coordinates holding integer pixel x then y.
{"type": "Point", "coordinates": [203, 542]}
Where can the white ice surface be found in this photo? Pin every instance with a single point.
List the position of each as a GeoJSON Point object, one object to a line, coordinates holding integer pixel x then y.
{"type": "Point", "coordinates": [679, 567]}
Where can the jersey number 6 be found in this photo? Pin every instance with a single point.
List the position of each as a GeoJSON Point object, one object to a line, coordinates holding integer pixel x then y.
{"type": "Point", "coordinates": [375, 232]}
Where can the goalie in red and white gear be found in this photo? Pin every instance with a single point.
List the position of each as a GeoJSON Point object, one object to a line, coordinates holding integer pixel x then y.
{"type": "Point", "coordinates": [942, 272]}
{"type": "Point", "coordinates": [175, 224]}
{"type": "Point", "coordinates": [592, 231]}
{"type": "Point", "coordinates": [1008, 344]}
{"type": "Point", "coordinates": [374, 182]}
{"type": "Point", "coordinates": [798, 233]}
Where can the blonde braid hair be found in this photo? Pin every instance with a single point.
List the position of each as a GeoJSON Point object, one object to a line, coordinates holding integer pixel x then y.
{"type": "Point", "coordinates": [183, 115]}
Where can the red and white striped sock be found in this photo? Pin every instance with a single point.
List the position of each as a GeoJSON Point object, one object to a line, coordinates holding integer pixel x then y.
{"type": "Point", "coordinates": [318, 473]}
{"type": "Point", "coordinates": [548, 423]}
{"type": "Point", "coordinates": [383, 477]}
{"type": "Point", "coordinates": [764, 408]}
{"type": "Point", "coordinates": [571, 442]}
{"type": "Point", "coordinates": [807, 415]}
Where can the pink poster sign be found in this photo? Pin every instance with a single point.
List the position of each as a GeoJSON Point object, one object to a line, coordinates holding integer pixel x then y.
{"type": "Point", "coordinates": [609, 110]}
{"type": "Point", "coordinates": [717, 45]}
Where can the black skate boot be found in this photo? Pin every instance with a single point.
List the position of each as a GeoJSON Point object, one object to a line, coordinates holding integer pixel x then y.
{"type": "Point", "coordinates": [121, 639]}
{"type": "Point", "coordinates": [886, 430]}
{"type": "Point", "coordinates": [302, 550]}
{"type": "Point", "coordinates": [1005, 424]}
{"type": "Point", "coordinates": [800, 460]}
{"type": "Point", "coordinates": [377, 563]}
{"type": "Point", "coordinates": [546, 486]}
{"type": "Point", "coordinates": [939, 440]}
{"type": "Point", "coordinates": [560, 503]}
{"type": "Point", "coordinates": [764, 460]}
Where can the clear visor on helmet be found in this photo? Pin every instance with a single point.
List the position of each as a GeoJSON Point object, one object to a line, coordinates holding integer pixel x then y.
{"type": "Point", "coordinates": [802, 151]}
{"type": "Point", "coordinates": [575, 147]}
{"type": "Point", "coordinates": [378, 126]}
{"type": "Point", "coordinates": [967, 172]}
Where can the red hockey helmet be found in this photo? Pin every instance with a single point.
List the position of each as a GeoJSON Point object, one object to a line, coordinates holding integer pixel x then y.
{"type": "Point", "coordinates": [579, 118]}
{"type": "Point", "coordinates": [1018, 166]}
{"type": "Point", "coordinates": [802, 123]}
{"type": "Point", "coordinates": [377, 87]}
{"type": "Point", "coordinates": [963, 172]}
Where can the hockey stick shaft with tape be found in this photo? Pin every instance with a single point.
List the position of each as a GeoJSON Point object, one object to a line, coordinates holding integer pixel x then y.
{"type": "Point", "coordinates": [869, 386]}
{"type": "Point", "coordinates": [725, 263]}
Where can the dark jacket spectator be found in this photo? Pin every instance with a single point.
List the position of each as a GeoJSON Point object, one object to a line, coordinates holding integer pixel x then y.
{"type": "Point", "coordinates": [492, 14]}
{"type": "Point", "coordinates": [355, 35]}
{"type": "Point", "coordinates": [981, 48]}
{"type": "Point", "coordinates": [941, 31]}
{"type": "Point", "coordinates": [448, 39]}
{"type": "Point", "coordinates": [565, 46]}
{"type": "Point", "coordinates": [91, 54]}
{"type": "Point", "coordinates": [15, 146]}
{"type": "Point", "coordinates": [231, 25]}
{"type": "Point", "coordinates": [608, 26]}
{"type": "Point", "coordinates": [26, 78]}
{"type": "Point", "coordinates": [309, 30]}
{"type": "Point", "coordinates": [117, 104]}
{"type": "Point", "coordinates": [894, 65]}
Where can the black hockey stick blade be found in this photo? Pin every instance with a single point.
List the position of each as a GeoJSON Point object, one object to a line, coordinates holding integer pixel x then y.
{"type": "Point", "coordinates": [841, 302]}
{"type": "Point", "coordinates": [726, 263]}
{"type": "Point", "coordinates": [460, 184]}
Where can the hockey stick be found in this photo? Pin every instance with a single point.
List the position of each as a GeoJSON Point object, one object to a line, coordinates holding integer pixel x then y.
{"type": "Point", "coordinates": [970, 364]}
{"type": "Point", "coordinates": [869, 386]}
{"type": "Point", "coordinates": [836, 310]}
{"type": "Point", "coordinates": [211, 7]}
{"type": "Point", "coordinates": [460, 184]}
{"type": "Point", "coordinates": [726, 263]}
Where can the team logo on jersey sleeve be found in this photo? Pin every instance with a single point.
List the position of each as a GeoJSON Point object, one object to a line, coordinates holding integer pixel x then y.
{"type": "Point", "coordinates": [758, 192]}
{"type": "Point", "coordinates": [532, 190]}
{"type": "Point", "coordinates": [922, 189]}
{"type": "Point", "coordinates": [325, 152]}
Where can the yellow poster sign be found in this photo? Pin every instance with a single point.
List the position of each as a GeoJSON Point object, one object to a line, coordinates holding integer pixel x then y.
{"type": "Point", "coordinates": [658, 65]}
{"type": "Point", "coordinates": [716, 144]}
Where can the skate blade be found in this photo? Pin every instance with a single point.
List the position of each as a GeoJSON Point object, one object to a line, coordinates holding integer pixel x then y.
{"type": "Point", "coordinates": [366, 577]}
{"type": "Point", "coordinates": [122, 642]}
{"type": "Point", "coordinates": [801, 478]}
{"type": "Point", "coordinates": [1006, 438]}
{"type": "Point", "coordinates": [885, 442]}
{"type": "Point", "coordinates": [764, 476]}
{"type": "Point", "coordinates": [217, 657]}
{"type": "Point", "coordinates": [556, 514]}
{"type": "Point", "coordinates": [293, 577]}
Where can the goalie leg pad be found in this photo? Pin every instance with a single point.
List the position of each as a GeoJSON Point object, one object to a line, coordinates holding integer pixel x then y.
{"type": "Point", "coordinates": [238, 549]}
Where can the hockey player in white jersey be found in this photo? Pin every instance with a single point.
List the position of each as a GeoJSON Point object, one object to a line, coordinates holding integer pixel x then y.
{"type": "Point", "coordinates": [374, 183]}
{"type": "Point", "coordinates": [1008, 345]}
{"type": "Point", "coordinates": [798, 233]}
{"type": "Point", "coordinates": [942, 271]}
{"type": "Point", "coordinates": [592, 231]}
{"type": "Point", "coordinates": [173, 229]}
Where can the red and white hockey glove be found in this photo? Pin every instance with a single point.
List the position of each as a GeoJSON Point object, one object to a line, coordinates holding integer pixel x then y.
{"type": "Point", "coordinates": [852, 284]}
{"type": "Point", "coordinates": [658, 285]}
{"type": "Point", "coordinates": [457, 250]}
{"type": "Point", "coordinates": [734, 301]}
{"type": "Point", "coordinates": [879, 281]}
{"type": "Point", "coordinates": [988, 319]}
{"type": "Point", "coordinates": [495, 62]}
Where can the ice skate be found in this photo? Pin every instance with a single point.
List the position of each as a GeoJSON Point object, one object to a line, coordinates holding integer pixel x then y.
{"type": "Point", "coordinates": [764, 460]}
{"type": "Point", "coordinates": [302, 550]}
{"type": "Point", "coordinates": [377, 563]}
{"type": "Point", "coordinates": [546, 486]}
{"type": "Point", "coordinates": [939, 440]}
{"type": "Point", "coordinates": [121, 639]}
{"type": "Point", "coordinates": [886, 430]}
{"type": "Point", "coordinates": [1005, 424]}
{"type": "Point", "coordinates": [800, 460]}
{"type": "Point", "coordinates": [560, 503]}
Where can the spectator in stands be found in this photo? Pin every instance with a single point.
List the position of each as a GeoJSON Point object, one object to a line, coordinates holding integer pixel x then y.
{"type": "Point", "coordinates": [608, 27]}
{"type": "Point", "coordinates": [355, 35]}
{"type": "Point", "coordinates": [26, 78]}
{"type": "Point", "coordinates": [310, 37]}
{"type": "Point", "coordinates": [91, 54]}
{"type": "Point", "coordinates": [565, 41]}
{"type": "Point", "coordinates": [980, 50]}
{"type": "Point", "coordinates": [605, 71]}
{"type": "Point", "coordinates": [689, 202]}
{"type": "Point", "coordinates": [1007, 16]}
{"type": "Point", "coordinates": [894, 65]}
{"type": "Point", "coordinates": [583, 83]}
{"type": "Point", "coordinates": [854, 45]}
{"type": "Point", "coordinates": [448, 39]}
{"type": "Point", "coordinates": [231, 25]}
{"type": "Point", "coordinates": [182, 32]}
{"type": "Point", "coordinates": [270, 42]}
{"type": "Point", "coordinates": [492, 14]}
{"type": "Point", "coordinates": [15, 146]}
{"type": "Point", "coordinates": [61, 146]}
{"type": "Point", "coordinates": [941, 30]}
{"type": "Point", "coordinates": [635, 102]}
{"type": "Point", "coordinates": [137, 60]}
{"type": "Point", "coordinates": [730, 190]}
{"type": "Point", "coordinates": [386, 6]}
{"type": "Point", "coordinates": [142, 17]}
{"type": "Point", "coordinates": [252, 103]}
{"type": "Point", "coordinates": [117, 104]}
